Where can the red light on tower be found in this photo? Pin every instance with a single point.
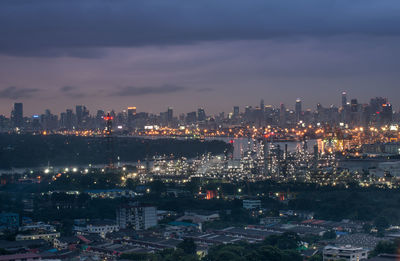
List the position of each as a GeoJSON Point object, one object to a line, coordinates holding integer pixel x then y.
{"type": "Point", "coordinates": [231, 141]}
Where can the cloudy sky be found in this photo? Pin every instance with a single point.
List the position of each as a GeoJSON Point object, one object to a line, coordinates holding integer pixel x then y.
{"type": "Point", "coordinates": [153, 54]}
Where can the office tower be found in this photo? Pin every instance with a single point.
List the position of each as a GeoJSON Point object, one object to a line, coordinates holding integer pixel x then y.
{"type": "Point", "coordinates": [82, 115]}
{"type": "Point", "coordinates": [35, 124]}
{"type": "Point", "coordinates": [100, 119]}
{"type": "Point", "coordinates": [248, 114]}
{"type": "Point", "coordinates": [69, 119]}
{"type": "Point", "coordinates": [236, 112]}
{"type": "Point", "coordinates": [170, 115]}
{"type": "Point", "coordinates": [376, 104]}
{"type": "Point", "coordinates": [49, 121]}
{"type": "Point", "coordinates": [191, 117]}
{"type": "Point", "coordinates": [18, 115]}
{"type": "Point", "coordinates": [201, 114]}
{"type": "Point", "coordinates": [386, 114]}
{"type": "Point", "coordinates": [63, 120]}
{"type": "Point", "coordinates": [282, 115]}
{"type": "Point", "coordinates": [79, 115]}
{"type": "Point", "coordinates": [131, 111]}
{"type": "Point", "coordinates": [344, 99]}
{"type": "Point", "coordinates": [354, 105]}
{"type": "Point", "coordinates": [131, 116]}
{"type": "Point", "coordinates": [298, 110]}
{"type": "Point", "coordinates": [262, 105]}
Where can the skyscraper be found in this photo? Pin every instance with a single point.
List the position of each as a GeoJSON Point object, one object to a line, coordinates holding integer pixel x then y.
{"type": "Point", "coordinates": [201, 114]}
{"type": "Point", "coordinates": [344, 99]}
{"type": "Point", "coordinates": [131, 111]}
{"type": "Point", "coordinates": [298, 110]}
{"type": "Point", "coordinates": [236, 111]}
{"type": "Point", "coordinates": [131, 116]}
{"type": "Point", "coordinates": [69, 120]}
{"type": "Point", "coordinates": [170, 115]}
{"type": "Point", "coordinates": [79, 115]}
{"type": "Point", "coordinates": [18, 115]}
{"type": "Point", "coordinates": [282, 115]}
{"type": "Point", "coordinates": [82, 114]}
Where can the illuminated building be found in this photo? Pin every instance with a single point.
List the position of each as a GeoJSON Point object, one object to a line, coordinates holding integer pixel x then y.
{"type": "Point", "coordinates": [298, 110]}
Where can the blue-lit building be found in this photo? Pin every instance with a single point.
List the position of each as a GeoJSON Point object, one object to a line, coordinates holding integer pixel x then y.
{"type": "Point", "coordinates": [9, 221]}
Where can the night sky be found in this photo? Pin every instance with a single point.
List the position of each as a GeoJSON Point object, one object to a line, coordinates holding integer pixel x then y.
{"type": "Point", "coordinates": [110, 54]}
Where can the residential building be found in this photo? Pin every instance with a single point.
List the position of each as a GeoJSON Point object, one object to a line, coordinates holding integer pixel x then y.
{"type": "Point", "coordinates": [348, 253]}
{"type": "Point", "coordinates": [137, 216]}
{"type": "Point", "coordinates": [251, 203]}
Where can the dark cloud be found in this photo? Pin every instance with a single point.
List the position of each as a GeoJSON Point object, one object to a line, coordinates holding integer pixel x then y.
{"type": "Point", "coordinates": [67, 88]}
{"type": "Point", "coordinates": [206, 89]}
{"type": "Point", "coordinates": [139, 91]}
{"type": "Point", "coordinates": [78, 28]}
{"type": "Point", "coordinates": [72, 92]}
{"type": "Point", "coordinates": [15, 93]}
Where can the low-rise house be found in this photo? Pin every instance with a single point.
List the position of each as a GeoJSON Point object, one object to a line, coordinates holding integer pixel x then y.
{"type": "Point", "coordinates": [101, 227]}
{"type": "Point", "coordinates": [20, 257]}
{"type": "Point", "coordinates": [251, 203]}
{"type": "Point", "coordinates": [66, 242]}
{"type": "Point", "coordinates": [48, 236]}
{"type": "Point", "coordinates": [348, 253]}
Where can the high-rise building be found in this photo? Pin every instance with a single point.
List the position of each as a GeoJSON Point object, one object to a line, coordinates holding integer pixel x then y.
{"type": "Point", "coordinates": [376, 104]}
{"type": "Point", "coordinates": [170, 115]}
{"type": "Point", "coordinates": [386, 114]}
{"type": "Point", "coordinates": [298, 110]}
{"type": "Point", "coordinates": [344, 99]}
{"type": "Point", "coordinates": [131, 111]}
{"type": "Point", "coordinates": [69, 119]}
{"type": "Point", "coordinates": [82, 115]}
{"type": "Point", "coordinates": [18, 115]}
{"type": "Point", "coordinates": [201, 114]}
{"type": "Point", "coordinates": [137, 216]}
{"type": "Point", "coordinates": [79, 114]}
{"type": "Point", "coordinates": [282, 115]}
{"type": "Point", "coordinates": [236, 112]}
{"type": "Point", "coordinates": [131, 116]}
{"type": "Point", "coordinates": [354, 105]}
{"type": "Point", "coordinates": [191, 117]}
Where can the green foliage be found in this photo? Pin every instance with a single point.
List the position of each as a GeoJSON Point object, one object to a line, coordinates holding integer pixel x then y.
{"type": "Point", "coordinates": [317, 257]}
{"type": "Point", "coordinates": [240, 251]}
{"type": "Point", "coordinates": [385, 247]}
{"type": "Point", "coordinates": [188, 246]}
{"type": "Point", "coordinates": [331, 234]}
{"type": "Point", "coordinates": [381, 223]}
{"type": "Point", "coordinates": [137, 256]}
{"type": "Point", "coordinates": [251, 252]}
{"type": "Point", "coordinates": [37, 150]}
{"type": "Point", "coordinates": [287, 240]}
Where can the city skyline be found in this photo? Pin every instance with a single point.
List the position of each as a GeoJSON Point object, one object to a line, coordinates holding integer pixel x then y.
{"type": "Point", "coordinates": [289, 106]}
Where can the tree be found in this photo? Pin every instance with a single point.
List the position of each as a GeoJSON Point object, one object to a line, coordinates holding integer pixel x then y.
{"type": "Point", "coordinates": [188, 246]}
{"type": "Point", "coordinates": [385, 247]}
{"type": "Point", "coordinates": [316, 257]}
{"type": "Point", "coordinates": [287, 240]}
{"type": "Point", "coordinates": [331, 234]}
{"type": "Point", "coordinates": [381, 223]}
